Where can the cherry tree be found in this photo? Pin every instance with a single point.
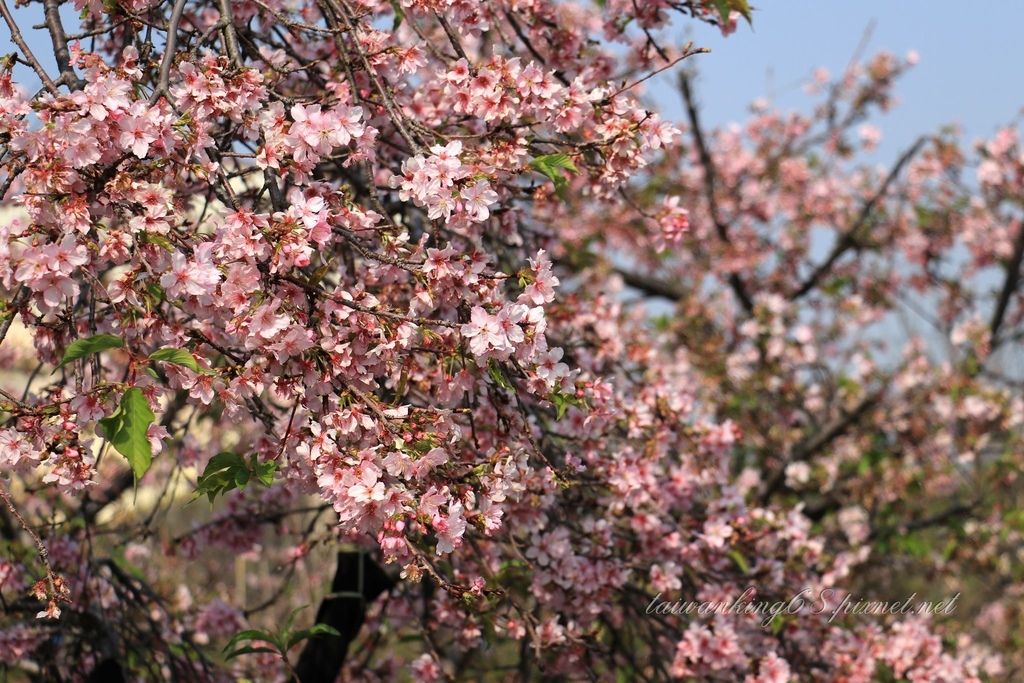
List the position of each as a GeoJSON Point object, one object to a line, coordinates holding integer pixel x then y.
{"type": "Point", "coordinates": [327, 359]}
{"type": "Point", "coordinates": [859, 324]}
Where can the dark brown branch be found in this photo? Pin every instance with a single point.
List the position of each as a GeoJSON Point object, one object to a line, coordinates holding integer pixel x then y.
{"type": "Point", "coordinates": [107, 671]}
{"type": "Point", "coordinates": [19, 40]}
{"type": "Point", "coordinates": [41, 550]}
{"type": "Point", "coordinates": [1009, 286]}
{"type": "Point", "coordinates": [529, 46]}
{"type": "Point", "coordinates": [688, 51]}
{"type": "Point", "coordinates": [851, 237]}
{"type": "Point", "coordinates": [710, 180]}
{"type": "Point", "coordinates": [832, 430]}
{"type": "Point", "coordinates": [342, 9]}
{"type": "Point", "coordinates": [939, 518]}
{"type": "Point", "coordinates": [453, 38]}
{"type": "Point", "coordinates": [230, 36]}
{"type": "Point", "coordinates": [169, 51]}
{"type": "Point", "coordinates": [16, 303]}
{"type": "Point", "coordinates": [651, 285]}
{"type": "Point", "coordinates": [61, 52]}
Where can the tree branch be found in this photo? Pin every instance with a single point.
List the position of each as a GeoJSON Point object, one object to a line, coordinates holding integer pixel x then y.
{"type": "Point", "coordinates": [19, 40]}
{"type": "Point", "coordinates": [230, 36]}
{"type": "Point", "coordinates": [453, 38]}
{"type": "Point", "coordinates": [710, 179]}
{"type": "Point", "coordinates": [807, 449]}
{"type": "Point", "coordinates": [17, 302]}
{"type": "Point", "coordinates": [651, 285]}
{"type": "Point", "coordinates": [397, 117]}
{"type": "Point", "coordinates": [850, 238]}
{"type": "Point", "coordinates": [51, 13]}
{"type": "Point", "coordinates": [1009, 286]}
{"type": "Point", "coordinates": [169, 51]}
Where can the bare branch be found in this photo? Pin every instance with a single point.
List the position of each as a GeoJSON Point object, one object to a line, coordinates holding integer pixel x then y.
{"type": "Point", "coordinates": [851, 237]}
{"type": "Point", "coordinates": [688, 51]}
{"type": "Point", "coordinates": [832, 430]}
{"type": "Point", "coordinates": [230, 36]}
{"type": "Point", "coordinates": [169, 52]}
{"type": "Point", "coordinates": [651, 285]}
{"type": "Point", "coordinates": [710, 180]}
{"type": "Point", "coordinates": [1009, 286]}
{"type": "Point", "coordinates": [19, 40]}
{"type": "Point", "coordinates": [51, 12]}
{"type": "Point", "coordinates": [453, 38]}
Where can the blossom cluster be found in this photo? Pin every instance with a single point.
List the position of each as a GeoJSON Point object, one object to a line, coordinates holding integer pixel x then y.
{"type": "Point", "coordinates": [354, 288]}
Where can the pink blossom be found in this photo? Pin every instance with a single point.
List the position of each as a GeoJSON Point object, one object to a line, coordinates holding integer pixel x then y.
{"type": "Point", "coordinates": [476, 198]}
{"type": "Point", "coordinates": [449, 529]}
{"type": "Point", "coordinates": [195, 277]}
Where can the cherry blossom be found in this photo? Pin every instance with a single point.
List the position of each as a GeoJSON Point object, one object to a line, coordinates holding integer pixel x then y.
{"type": "Point", "coordinates": [421, 302]}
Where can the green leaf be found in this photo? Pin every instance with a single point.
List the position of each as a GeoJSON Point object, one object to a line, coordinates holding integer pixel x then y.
{"type": "Point", "coordinates": [176, 356]}
{"type": "Point", "coordinates": [264, 472]}
{"type": "Point", "coordinates": [562, 401]}
{"type": "Point", "coordinates": [248, 650]}
{"type": "Point", "coordinates": [740, 561]}
{"type": "Point", "coordinates": [80, 348]}
{"type": "Point", "coordinates": [743, 7]}
{"type": "Point", "coordinates": [219, 477]}
{"type": "Point", "coordinates": [498, 375]}
{"type": "Point", "coordinates": [126, 430]}
{"type": "Point", "coordinates": [249, 635]}
{"type": "Point", "coordinates": [227, 471]}
{"type": "Point", "coordinates": [291, 619]}
{"type": "Point", "coordinates": [552, 165]}
{"type": "Point", "coordinates": [324, 629]}
{"type": "Point", "coordinates": [556, 167]}
{"type": "Point", "coordinates": [726, 7]}
{"type": "Point", "coordinates": [399, 15]}
{"type": "Point", "coordinates": [158, 240]}
{"type": "Point", "coordinates": [723, 10]}
{"type": "Point", "coordinates": [316, 630]}
{"type": "Point", "coordinates": [914, 545]}
{"type": "Point", "coordinates": [156, 291]}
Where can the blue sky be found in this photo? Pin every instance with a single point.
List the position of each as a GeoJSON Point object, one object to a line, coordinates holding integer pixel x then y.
{"type": "Point", "coordinates": [971, 70]}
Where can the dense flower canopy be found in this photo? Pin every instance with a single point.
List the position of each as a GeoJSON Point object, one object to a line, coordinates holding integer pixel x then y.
{"type": "Point", "coordinates": [369, 279]}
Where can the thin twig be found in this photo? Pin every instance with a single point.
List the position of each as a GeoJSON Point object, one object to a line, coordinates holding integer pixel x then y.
{"type": "Point", "coordinates": [41, 551]}
{"type": "Point", "coordinates": [831, 431]}
{"type": "Point", "coordinates": [19, 40]}
{"type": "Point", "coordinates": [453, 38]}
{"type": "Point", "coordinates": [688, 51]}
{"type": "Point", "coordinates": [850, 238]}
{"type": "Point", "coordinates": [710, 178]}
{"type": "Point", "coordinates": [343, 10]}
